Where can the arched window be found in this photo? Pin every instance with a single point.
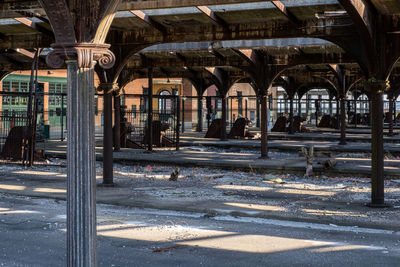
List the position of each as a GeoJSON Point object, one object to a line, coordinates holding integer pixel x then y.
{"type": "Point", "coordinates": [164, 103]}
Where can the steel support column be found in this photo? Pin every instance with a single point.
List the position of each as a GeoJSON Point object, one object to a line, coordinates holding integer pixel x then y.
{"type": "Point", "coordinates": [391, 100]}
{"type": "Point", "coordinates": [150, 111]}
{"type": "Point", "coordinates": [178, 121]}
{"type": "Point", "coordinates": [81, 170]}
{"type": "Point", "coordinates": [199, 127]}
{"type": "Point", "coordinates": [62, 117]}
{"type": "Point", "coordinates": [107, 137]}
{"type": "Point", "coordinates": [231, 112]}
{"type": "Point", "coordinates": [342, 121]}
{"type": "Point", "coordinates": [337, 114]}
{"type": "Point", "coordinates": [223, 118]}
{"type": "Point", "coordinates": [376, 89]}
{"type": "Point", "coordinates": [264, 126]}
{"type": "Point", "coordinates": [355, 112]}
{"type": "Point", "coordinates": [377, 165]}
{"type": "Point", "coordinates": [183, 114]}
{"type": "Point", "coordinates": [299, 107]}
{"type": "Point", "coordinates": [117, 122]}
{"type": "Point", "coordinates": [258, 112]}
{"type": "Point", "coordinates": [291, 115]}
{"type": "Point", "coordinates": [394, 112]}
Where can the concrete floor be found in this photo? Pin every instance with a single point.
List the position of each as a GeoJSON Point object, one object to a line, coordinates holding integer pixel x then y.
{"type": "Point", "coordinates": [244, 154]}
{"type": "Point", "coordinates": [33, 234]}
{"type": "Point", "coordinates": [238, 219]}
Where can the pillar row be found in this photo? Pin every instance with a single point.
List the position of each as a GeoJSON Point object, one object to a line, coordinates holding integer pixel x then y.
{"type": "Point", "coordinates": [377, 162]}
{"type": "Point", "coordinates": [342, 100]}
{"type": "Point", "coordinates": [108, 89]}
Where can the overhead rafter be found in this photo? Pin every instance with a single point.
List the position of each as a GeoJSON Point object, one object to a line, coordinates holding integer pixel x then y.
{"type": "Point", "coordinates": [152, 4]}
{"type": "Point", "coordinates": [216, 54]}
{"type": "Point", "coordinates": [245, 54]}
{"type": "Point", "coordinates": [361, 14]}
{"type": "Point", "coordinates": [364, 19]}
{"type": "Point", "coordinates": [25, 52]}
{"type": "Point", "coordinates": [300, 51]}
{"type": "Point", "coordinates": [178, 56]}
{"type": "Point", "coordinates": [289, 15]}
{"type": "Point", "coordinates": [211, 14]}
{"type": "Point", "coordinates": [33, 25]}
{"type": "Point", "coordinates": [146, 18]}
{"type": "Point", "coordinates": [28, 14]}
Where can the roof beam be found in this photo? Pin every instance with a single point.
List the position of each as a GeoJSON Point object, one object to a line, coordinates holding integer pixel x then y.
{"type": "Point", "coordinates": [216, 54]}
{"type": "Point", "coordinates": [33, 25]}
{"type": "Point", "coordinates": [25, 52]}
{"type": "Point", "coordinates": [214, 17]}
{"type": "Point", "coordinates": [154, 4]}
{"type": "Point", "coordinates": [31, 14]}
{"type": "Point", "coordinates": [258, 30]}
{"type": "Point", "coordinates": [362, 15]}
{"type": "Point", "coordinates": [178, 56]}
{"type": "Point", "coordinates": [289, 15]}
{"type": "Point", "coordinates": [146, 18]}
{"type": "Point", "coordinates": [245, 54]}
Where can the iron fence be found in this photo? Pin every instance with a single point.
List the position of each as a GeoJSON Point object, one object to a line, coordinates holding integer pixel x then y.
{"type": "Point", "coordinates": [165, 120]}
{"type": "Point", "coordinates": [8, 121]}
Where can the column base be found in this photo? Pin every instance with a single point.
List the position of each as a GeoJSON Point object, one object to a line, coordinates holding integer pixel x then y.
{"type": "Point", "coordinates": [107, 185]}
{"type": "Point", "coordinates": [378, 205]}
{"type": "Point", "coordinates": [264, 157]}
{"type": "Point", "coordinates": [342, 143]}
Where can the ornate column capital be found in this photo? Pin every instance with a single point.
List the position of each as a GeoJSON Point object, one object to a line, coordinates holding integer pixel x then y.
{"type": "Point", "coordinates": [84, 53]}
{"type": "Point", "coordinates": [108, 87]}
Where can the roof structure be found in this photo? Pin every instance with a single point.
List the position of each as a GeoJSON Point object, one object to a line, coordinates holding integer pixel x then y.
{"type": "Point", "coordinates": [331, 43]}
{"type": "Point", "coordinates": [306, 34]}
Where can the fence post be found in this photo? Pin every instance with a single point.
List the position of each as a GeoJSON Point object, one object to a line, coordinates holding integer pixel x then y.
{"type": "Point", "coordinates": [62, 117]}
{"type": "Point", "coordinates": [178, 112]}
{"type": "Point", "coordinates": [183, 114]}
{"type": "Point", "coordinates": [150, 111]}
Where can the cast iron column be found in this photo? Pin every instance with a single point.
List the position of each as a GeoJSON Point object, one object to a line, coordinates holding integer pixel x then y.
{"type": "Point", "coordinates": [257, 111]}
{"type": "Point", "coordinates": [178, 122]}
{"type": "Point", "coordinates": [264, 126]}
{"type": "Point", "coordinates": [390, 116]}
{"type": "Point", "coordinates": [355, 112]}
{"type": "Point", "coordinates": [199, 114]}
{"type": "Point", "coordinates": [291, 115]}
{"type": "Point", "coordinates": [377, 163]}
{"type": "Point", "coordinates": [62, 116]}
{"type": "Point", "coordinates": [342, 121]}
{"type": "Point", "coordinates": [108, 89]}
{"type": "Point", "coordinates": [231, 111]}
{"type": "Point", "coordinates": [183, 114]}
{"type": "Point", "coordinates": [81, 170]}
{"type": "Point", "coordinates": [80, 29]}
{"type": "Point", "coordinates": [394, 112]}
{"type": "Point", "coordinates": [117, 121]}
{"type": "Point", "coordinates": [369, 111]}
{"type": "Point", "coordinates": [299, 107]}
{"type": "Point", "coordinates": [337, 113]}
{"type": "Point", "coordinates": [223, 118]}
{"type": "Point", "coordinates": [150, 111]}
